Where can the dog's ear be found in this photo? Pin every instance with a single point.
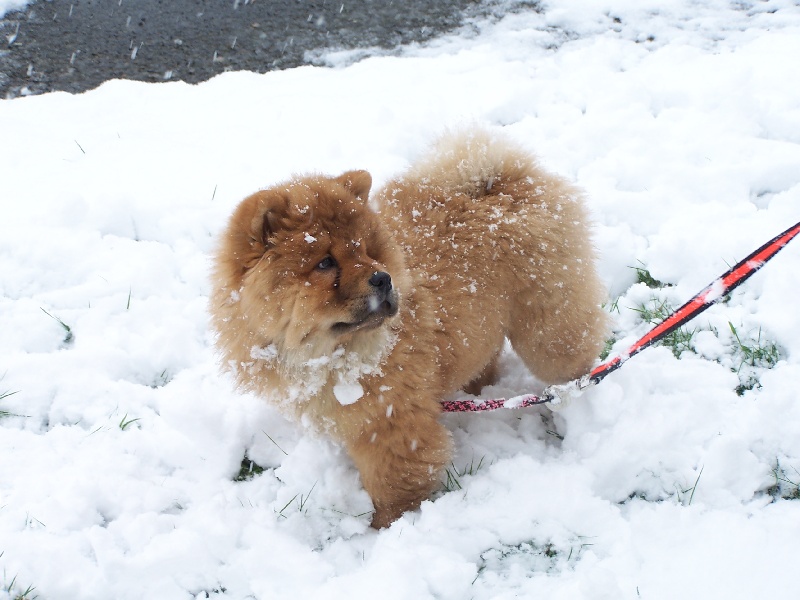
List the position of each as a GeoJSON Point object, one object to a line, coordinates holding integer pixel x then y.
{"type": "Point", "coordinates": [358, 182]}
{"type": "Point", "coordinates": [251, 226]}
{"type": "Point", "coordinates": [269, 211]}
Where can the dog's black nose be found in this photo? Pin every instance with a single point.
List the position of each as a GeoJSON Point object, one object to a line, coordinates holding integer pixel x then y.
{"type": "Point", "coordinates": [381, 281]}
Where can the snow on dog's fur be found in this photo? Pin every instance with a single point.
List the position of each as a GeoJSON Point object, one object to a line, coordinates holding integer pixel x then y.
{"type": "Point", "coordinates": [358, 322]}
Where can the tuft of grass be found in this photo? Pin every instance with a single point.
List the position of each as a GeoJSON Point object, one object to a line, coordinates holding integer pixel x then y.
{"type": "Point", "coordinates": [785, 487]}
{"type": "Point", "coordinates": [302, 500]}
{"type": "Point", "coordinates": [654, 312]}
{"type": "Point", "coordinates": [758, 353]}
{"type": "Point", "coordinates": [681, 493]}
{"type": "Point", "coordinates": [643, 276]}
{"type": "Point", "coordinates": [5, 413]}
{"type": "Point", "coordinates": [694, 487]}
{"type": "Point", "coordinates": [530, 555]}
{"type": "Point", "coordinates": [453, 475]}
{"type": "Point", "coordinates": [248, 470]}
{"type": "Point", "coordinates": [27, 594]}
{"type": "Point", "coordinates": [161, 380]}
{"type": "Point", "coordinates": [657, 310]}
{"type": "Point", "coordinates": [750, 383]}
{"type": "Point", "coordinates": [609, 344]}
{"type": "Point", "coordinates": [68, 336]}
{"type": "Point", "coordinates": [16, 593]}
{"type": "Point", "coordinates": [125, 422]}
{"type": "Point", "coordinates": [680, 340]}
{"type": "Point", "coordinates": [752, 355]}
{"type": "Point", "coordinates": [749, 354]}
{"type": "Point", "coordinates": [612, 306]}
{"type": "Point", "coordinates": [301, 504]}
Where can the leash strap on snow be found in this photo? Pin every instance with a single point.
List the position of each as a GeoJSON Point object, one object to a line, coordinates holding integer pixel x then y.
{"type": "Point", "coordinates": [714, 292]}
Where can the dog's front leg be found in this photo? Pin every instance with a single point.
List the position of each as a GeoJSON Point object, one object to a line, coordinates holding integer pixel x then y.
{"type": "Point", "coordinates": [400, 454]}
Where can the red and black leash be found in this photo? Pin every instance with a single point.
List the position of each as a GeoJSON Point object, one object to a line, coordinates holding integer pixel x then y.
{"type": "Point", "coordinates": [714, 292]}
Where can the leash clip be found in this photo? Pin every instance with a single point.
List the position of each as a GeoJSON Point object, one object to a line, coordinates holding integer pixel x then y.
{"type": "Point", "coordinates": [561, 395]}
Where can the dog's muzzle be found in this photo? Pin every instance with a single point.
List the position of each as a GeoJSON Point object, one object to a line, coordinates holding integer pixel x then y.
{"type": "Point", "coordinates": [379, 305]}
{"type": "Point", "coordinates": [382, 292]}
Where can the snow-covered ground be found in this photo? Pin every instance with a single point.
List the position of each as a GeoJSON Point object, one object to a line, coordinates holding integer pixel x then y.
{"type": "Point", "coordinates": [9, 5]}
{"type": "Point", "coordinates": [120, 443]}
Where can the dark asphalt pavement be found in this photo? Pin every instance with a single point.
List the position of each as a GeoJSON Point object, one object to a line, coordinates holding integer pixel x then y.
{"type": "Point", "coordinates": [75, 45]}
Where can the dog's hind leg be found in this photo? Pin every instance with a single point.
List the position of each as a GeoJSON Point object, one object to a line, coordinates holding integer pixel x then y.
{"type": "Point", "coordinates": [488, 376]}
{"type": "Point", "coordinates": [558, 337]}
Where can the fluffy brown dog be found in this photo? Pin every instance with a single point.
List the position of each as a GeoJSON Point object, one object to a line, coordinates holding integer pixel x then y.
{"type": "Point", "coordinates": [358, 322]}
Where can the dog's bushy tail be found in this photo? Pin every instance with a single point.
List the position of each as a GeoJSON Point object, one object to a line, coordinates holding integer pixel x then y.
{"type": "Point", "coordinates": [473, 161]}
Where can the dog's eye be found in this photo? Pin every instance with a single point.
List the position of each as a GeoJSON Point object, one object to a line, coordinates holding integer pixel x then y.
{"type": "Point", "coordinates": [326, 263]}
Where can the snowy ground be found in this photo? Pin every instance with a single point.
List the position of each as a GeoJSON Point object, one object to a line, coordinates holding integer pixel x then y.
{"type": "Point", "coordinates": [120, 444]}
{"type": "Point", "coordinates": [9, 5]}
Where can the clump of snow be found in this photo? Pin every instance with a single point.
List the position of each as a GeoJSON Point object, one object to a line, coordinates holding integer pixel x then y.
{"type": "Point", "coordinates": [9, 5]}
{"type": "Point", "coordinates": [348, 393]}
{"type": "Point", "coordinates": [120, 446]}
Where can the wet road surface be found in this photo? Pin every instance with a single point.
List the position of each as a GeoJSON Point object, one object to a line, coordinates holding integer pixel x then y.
{"type": "Point", "coordinates": [75, 45]}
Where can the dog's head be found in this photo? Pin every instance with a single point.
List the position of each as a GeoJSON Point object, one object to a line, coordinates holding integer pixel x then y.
{"type": "Point", "coordinates": [308, 266]}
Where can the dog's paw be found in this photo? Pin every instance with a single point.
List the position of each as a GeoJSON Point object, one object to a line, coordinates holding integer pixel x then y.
{"type": "Point", "coordinates": [382, 519]}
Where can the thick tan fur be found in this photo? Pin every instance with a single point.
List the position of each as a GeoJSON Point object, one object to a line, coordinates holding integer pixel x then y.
{"type": "Point", "coordinates": [481, 245]}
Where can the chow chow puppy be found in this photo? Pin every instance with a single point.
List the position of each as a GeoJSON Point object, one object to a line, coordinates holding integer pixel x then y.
{"type": "Point", "coordinates": [359, 320]}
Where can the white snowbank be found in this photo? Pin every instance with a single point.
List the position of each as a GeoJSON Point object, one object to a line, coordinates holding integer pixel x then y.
{"type": "Point", "coordinates": [9, 5]}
